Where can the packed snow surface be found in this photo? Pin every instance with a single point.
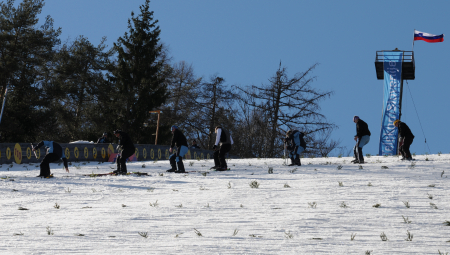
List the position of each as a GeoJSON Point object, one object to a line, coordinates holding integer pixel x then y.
{"type": "Point", "coordinates": [325, 206]}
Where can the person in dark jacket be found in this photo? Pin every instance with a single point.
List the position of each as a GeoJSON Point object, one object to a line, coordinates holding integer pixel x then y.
{"type": "Point", "coordinates": [362, 138]}
{"type": "Point", "coordinates": [221, 147]}
{"type": "Point", "coordinates": [406, 139]}
{"type": "Point", "coordinates": [103, 139]}
{"type": "Point", "coordinates": [176, 159]}
{"type": "Point", "coordinates": [296, 144]}
{"type": "Point", "coordinates": [54, 153]}
{"type": "Point", "coordinates": [126, 149]}
{"type": "Point", "coordinates": [194, 145]}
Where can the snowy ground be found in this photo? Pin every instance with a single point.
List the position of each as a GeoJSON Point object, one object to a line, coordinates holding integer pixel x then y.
{"type": "Point", "coordinates": [313, 209]}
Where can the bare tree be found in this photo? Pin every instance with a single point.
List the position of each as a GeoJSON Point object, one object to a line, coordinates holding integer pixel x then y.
{"type": "Point", "coordinates": [289, 103]}
{"type": "Point", "coordinates": [213, 104]}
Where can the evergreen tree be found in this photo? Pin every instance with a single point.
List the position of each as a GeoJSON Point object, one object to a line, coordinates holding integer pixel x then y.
{"type": "Point", "coordinates": [79, 68]}
{"type": "Point", "coordinates": [26, 51]}
{"type": "Point", "coordinates": [139, 76]}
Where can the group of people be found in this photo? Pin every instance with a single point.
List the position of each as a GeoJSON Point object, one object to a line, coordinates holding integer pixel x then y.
{"type": "Point", "coordinates": [126, 149]}
{"type": "Point", "coordinates": [362, 138]}
{"type": "Point", "coordinates": [294, 142]}
{"type": "Point", "coordinates": [221, 147]}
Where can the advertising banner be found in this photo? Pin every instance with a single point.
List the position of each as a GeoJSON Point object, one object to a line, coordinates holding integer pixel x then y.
{"type": "Point", "coordinates": [391, 102]}
{"type": "Point", "coordinates": [21, 153]}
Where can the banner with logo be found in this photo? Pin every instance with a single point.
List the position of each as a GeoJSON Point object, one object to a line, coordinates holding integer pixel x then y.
{"type": "Point", "coordinates": [391, 102]}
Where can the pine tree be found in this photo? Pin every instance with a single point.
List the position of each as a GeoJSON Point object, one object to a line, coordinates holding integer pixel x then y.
{"type": "Point", "coordinates": [139, 74]}
{"type": "Point", "coordinates": [78, 73]}
{"type": "Point", "coordinates": [26, 51]}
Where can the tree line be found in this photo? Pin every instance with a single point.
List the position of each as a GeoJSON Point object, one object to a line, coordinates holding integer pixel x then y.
{"type": "Point", "coordinates": [74, 90]}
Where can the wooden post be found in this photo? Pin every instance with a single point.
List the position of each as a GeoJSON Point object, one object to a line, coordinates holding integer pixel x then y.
{"type": "Point", "coordinates": [157, 125]}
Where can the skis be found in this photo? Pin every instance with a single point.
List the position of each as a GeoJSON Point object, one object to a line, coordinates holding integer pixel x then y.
{"type": "Point", "coordinates": [219, 170]}
{"type": "Point", "coordinates": [114, 174]}
{"type": "Point", "coordinates": [47, 177]}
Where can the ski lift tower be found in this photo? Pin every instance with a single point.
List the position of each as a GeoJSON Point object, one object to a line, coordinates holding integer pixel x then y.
{"type": "Point", "coordinates": [393, 67]}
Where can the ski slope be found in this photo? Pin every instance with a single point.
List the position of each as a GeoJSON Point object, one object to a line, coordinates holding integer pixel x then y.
{"type": "Point", "coordinates": [317, 208]}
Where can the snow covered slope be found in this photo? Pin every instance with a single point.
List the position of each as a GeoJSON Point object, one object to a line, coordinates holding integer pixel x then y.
{"type": "Point", "coordinates": [317, 208]}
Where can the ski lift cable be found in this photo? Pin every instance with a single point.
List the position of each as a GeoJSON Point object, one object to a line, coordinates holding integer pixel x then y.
{"type": "Point", "coordinates": [420, 123]}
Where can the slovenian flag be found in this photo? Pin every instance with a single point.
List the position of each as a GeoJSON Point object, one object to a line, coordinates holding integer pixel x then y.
{"type": "Point", "coordinates": [428, 37]}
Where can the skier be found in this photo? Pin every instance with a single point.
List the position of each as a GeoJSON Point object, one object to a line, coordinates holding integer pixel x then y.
{"type": "Point", "coordinates": [54, 153]}
{"type": "Point", "coordinates": [296, 144]}
{"type": "Point", "coordinates": [103, 139]}
{"type": "Point", "coordinates": [406, 139]}
{"type": "Point", "coordinates": [176, 159]}
{"type": "Point", "coordinates": [362, 138]}
{"type": "Point", "coordinates": [224, 140]}
{"type": "Point", "coordinates": [126, 149]}
{"type": "Point", "coordinates": [194, 145]}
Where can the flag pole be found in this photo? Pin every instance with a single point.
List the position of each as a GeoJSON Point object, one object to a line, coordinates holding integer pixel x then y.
{"type": "Point", "coordinates": [413, 39]}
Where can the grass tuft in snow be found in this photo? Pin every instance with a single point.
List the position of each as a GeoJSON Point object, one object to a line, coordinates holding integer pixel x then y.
{"type": "Point", "coordinates": [341, 184]}
{"type": "Point", "coordinates": [406, 220]}
{"type": "Point", "coordinates": [369, 184]}
{"type": "Point", "coordinates": [286, 185]}
{"type": "Point", "coordinates": [270, 171]}
{"type": "Point", "coordinates": [442, 253]}
{"type": "Point", "coordinates": [339, 167]}
{"type": "Point", "coordinates": [155, 204]}
{"type": "Point", "coordinates": [143, 165]}
{"type": "Point", "coordinates": [236, 231]}
{"type": "Point", "coordinates": [229, 185]}
{"type": "Point", "coordinates": [376, 205]}
{"type": "Point", "coordinates": [179, 206]}
{"type": "Point", "coordinates": [360, 167]}
{"type": "Point", "coordinates": [191, 163]}
{"type": "Point", "coordinates": [56, 206]}
{"type": "Point", "coordinates": [22, 208]}
{"type": "Point", "coordinates": [447, 223]}
{"type": "Point", "coordinates": [343, 205]}
{"type": "Point", "coordinates": [407, 204]}
{"type": "Point", "coordinates": [383, 237]}
{"type": "Point", "coordinates": [433, 206]}
{"type": "Point", "coordinates": [384, 167]}
{"type": "Point", "coordinates": [312, 205]}
{"type": "Point", "coordinates": [293, 170]}
{"type": "Point", "coordinates": [368, 252]}
{"type": "Point", "coordinates": [68, 190]}
{"type": "Point", "coordinates": [288, 235]}
{"type": "Point", "coordinates": [432, 185]}
{"type": "Point", "coordinates": [49, 231]}
{"type": "Point", "coordinates": [254, 184]}
{"type": "Point", "coordinates": [409, 236]}
{"type": "Point", "coordinates": [430, 196]}
{"type": "Point", "coordinates": [18, 234]}
{"type": "Point", "coordinates": [352, 237]}
{"type": "Point", "coordinates": [143, 234]}
{"type": "Point", "coordinates": [197, 232]}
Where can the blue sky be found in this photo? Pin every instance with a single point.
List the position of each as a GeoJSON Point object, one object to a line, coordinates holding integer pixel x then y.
{"type": "Point", "coordinates": [244, 41]}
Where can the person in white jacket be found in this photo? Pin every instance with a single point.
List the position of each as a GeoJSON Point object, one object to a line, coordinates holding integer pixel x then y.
{"type": "Point", "coordinates": [222, 146]}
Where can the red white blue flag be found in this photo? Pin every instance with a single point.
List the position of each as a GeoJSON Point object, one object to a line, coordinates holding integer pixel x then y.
{"type": "Point", "coordinates": [427, 37]}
